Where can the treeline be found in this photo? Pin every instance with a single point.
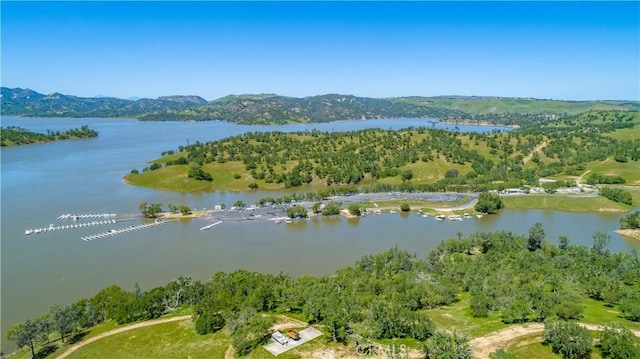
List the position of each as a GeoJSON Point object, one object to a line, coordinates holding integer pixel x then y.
{"type": "Point", "coordinates": [520, 278]}
{"type": "Point", "coordinates": [14, 136]}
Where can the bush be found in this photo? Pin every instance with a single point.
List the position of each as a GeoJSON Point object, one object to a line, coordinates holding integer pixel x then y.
{"type": "Point", "coordinates": [617, 195]}
{"type": "Point", "coordinates": [488, 203]}
{"type": "Point", "coordinates": [405, 207]}
{"type": "Point", "coordinates": [618, 342]}
{"type": "Point", "coordinates": [331, 208]}
{"type": "Point", "coordinates": [209, 323]}
{"type": "Point", "coordinates": [354, 209]}
{"type": "Point", "coordinates": [198, 174]}
{"type": "Point", "coordinates": [568, 339]}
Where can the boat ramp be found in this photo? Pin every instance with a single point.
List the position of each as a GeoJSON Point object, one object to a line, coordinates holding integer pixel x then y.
{"type": "Point", "coordinates": [131, 228]}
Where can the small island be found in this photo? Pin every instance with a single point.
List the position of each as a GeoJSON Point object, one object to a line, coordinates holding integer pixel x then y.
{"type": "Point", "coordinates": [16, 136]}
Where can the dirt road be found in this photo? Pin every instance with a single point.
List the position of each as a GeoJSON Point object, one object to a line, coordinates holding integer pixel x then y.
{"type": "Point", "coordinates": [485, 345]}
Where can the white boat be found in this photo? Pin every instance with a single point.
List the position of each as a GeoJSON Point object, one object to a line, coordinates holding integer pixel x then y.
{"type": "Point", "coordinates": [288, 221]}
{"type": "Point", "coordinates": [479, 215]}
{"type": "Point", "coordinates": [466, 215]}
{"type": "Point", "coordinates": [28, 232]}
{"type": "Point", "coordinates": [440, 217]}
{"type": "Point", "coordinates": [425, 216]}
{"type": "Point", "coordinates": [455, 217]}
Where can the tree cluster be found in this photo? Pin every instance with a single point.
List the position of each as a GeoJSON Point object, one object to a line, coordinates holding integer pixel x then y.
{"type": "Point", "coordinates": [388, 295]}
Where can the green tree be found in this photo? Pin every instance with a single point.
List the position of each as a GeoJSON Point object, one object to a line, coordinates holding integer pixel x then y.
{"type": "Point", "coordinates": [407, 175]}
{"type": "Point", "coordinates": [618, 342]}
{"type": "Point", "coordinates": [564, 241]}
{"type": "Point", "coordinates": [150, 210]}
{"type": "Point", "coordinates": [184, 210]}
{"type": "Point", "coordinates": [405, 207]}
{"type": "Point", "coordinates": [600, 241]}
{"type": "Point", "coordinates": [331, 208]}
{"type": "Point", "coordinates": [536, 236]}
{"type": "Point", "coordinates": [64, 319]}
{"type": "Point", "coordinates": [630, 221]}
{"type": "Point", "coordinates": [27, 333]}
{"type": "Point", "coordinates": [568, 339]}
{"type": "Point", "coordinates": [198, 173]}
{"type": "Point", "coordinates": [443, 345]}
{"type": "Point", "coordinates": [239, 204]}
{"type": "Point", "coordinates": [209, 322]}
{"type": "Point", "coordinates": [296, 211]}
{"type": "Point", "coordinates": [488, 203]}
{"type": "Point", "coordinates": [354, 209]}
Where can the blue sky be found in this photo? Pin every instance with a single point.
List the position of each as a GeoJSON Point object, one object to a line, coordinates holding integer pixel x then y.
{"type": "Point", "coordinates": [574, 50]}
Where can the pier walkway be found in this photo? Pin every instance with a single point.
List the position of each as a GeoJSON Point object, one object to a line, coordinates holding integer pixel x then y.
{"type": "Point", "coordinates": [114, 232]}
{"type": "Point", "coordinates": [86, 216]}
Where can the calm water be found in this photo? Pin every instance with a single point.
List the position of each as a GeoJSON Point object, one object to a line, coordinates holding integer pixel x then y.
{"type": "Point", "coordinates": [40, 182]}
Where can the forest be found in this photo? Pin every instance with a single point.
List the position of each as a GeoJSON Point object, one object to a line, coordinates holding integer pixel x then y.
{"type": "Point", "coordinates": [15, 136]}
{"type": "Point", "coordinates": [414, 159]}
{"type": "Point", "coordinates": [504, 276]}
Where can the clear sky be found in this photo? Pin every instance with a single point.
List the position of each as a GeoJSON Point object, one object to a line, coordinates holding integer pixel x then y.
{"type": "Point", "coordinates": [573, 50]}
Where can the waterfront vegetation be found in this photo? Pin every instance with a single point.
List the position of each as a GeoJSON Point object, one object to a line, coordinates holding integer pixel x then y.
{"type": "Point", "coordinates": [572, 150]}
{"type": "Point", "coordinates": [15, 136]}
{"type": "Point", "coordinates": [473, 285]}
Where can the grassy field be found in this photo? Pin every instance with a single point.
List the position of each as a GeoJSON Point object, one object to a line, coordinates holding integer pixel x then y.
{"type": "Point", "coordinates": [485, 105]}
{"type": "Point", "coordinates": [563, 203]}
{"type": "Point", "coordinates": [175, 339]}
{"type": "Point", "coordinates": [458, 317]}
{"type": "Point", "coordinates": [630, 171]}
{"type": "Point", "coordinates": [628, 134]}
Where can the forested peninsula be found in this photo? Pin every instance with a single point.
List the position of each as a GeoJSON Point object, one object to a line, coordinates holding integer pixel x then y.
{"type": "Point", "coordinates": [592, 148]}
{"type": "Point", "coordinates": [452, 300]}
{"type": "Point", "coordinates": [16, 136]}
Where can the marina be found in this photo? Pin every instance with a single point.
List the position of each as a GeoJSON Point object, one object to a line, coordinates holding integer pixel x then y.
{"type": "Point", "coordinates": [52, 228]}
{"type": "Point", "coordinates": [76, 217]}
{"type": "Point", "coordinates": [114, 232]}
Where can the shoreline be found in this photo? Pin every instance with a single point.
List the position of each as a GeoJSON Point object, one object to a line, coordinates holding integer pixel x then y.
{"type": "Point", "coordinates": [631, 233]}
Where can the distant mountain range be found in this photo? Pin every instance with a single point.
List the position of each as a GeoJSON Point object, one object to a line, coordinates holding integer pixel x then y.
{"type": "Point", "coordinates": [275, 109]}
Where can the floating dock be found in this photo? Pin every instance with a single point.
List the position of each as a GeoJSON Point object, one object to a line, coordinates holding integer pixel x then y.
{"type": "Point", "coordinates": [52, 228]}
{"type": "Point", "coordinates": [86, 215]}
{"type": "Point", "coordinates": [114, 232]}
{"type": "Point", "coordinates": [209, 226]}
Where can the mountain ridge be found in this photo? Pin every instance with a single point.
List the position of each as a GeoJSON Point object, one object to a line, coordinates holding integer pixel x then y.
{"type": "Point", "coordinates": [268, 108]}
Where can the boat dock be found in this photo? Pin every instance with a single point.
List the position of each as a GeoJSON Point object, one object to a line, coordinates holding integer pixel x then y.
{"type": "Point", "coordinates": [113, 232]}
{"type": "Point", "coordinates": [75, 217]}
{"type": "Point", "coordinates": [52, 228]}
{"type": "Point", "coordinates": [209, 226]}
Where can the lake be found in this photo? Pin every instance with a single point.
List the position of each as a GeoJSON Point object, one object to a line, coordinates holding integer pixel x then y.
{"type": "Point", "coordinates": [40, 182]}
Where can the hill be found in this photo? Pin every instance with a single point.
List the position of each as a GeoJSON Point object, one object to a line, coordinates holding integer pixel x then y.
{"type": "Point", "coordinates": [276, 109]}
{"type": "Point", "coordinates": [26, 102]}
{"type": "Point", "coordinates": [417, 159]}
